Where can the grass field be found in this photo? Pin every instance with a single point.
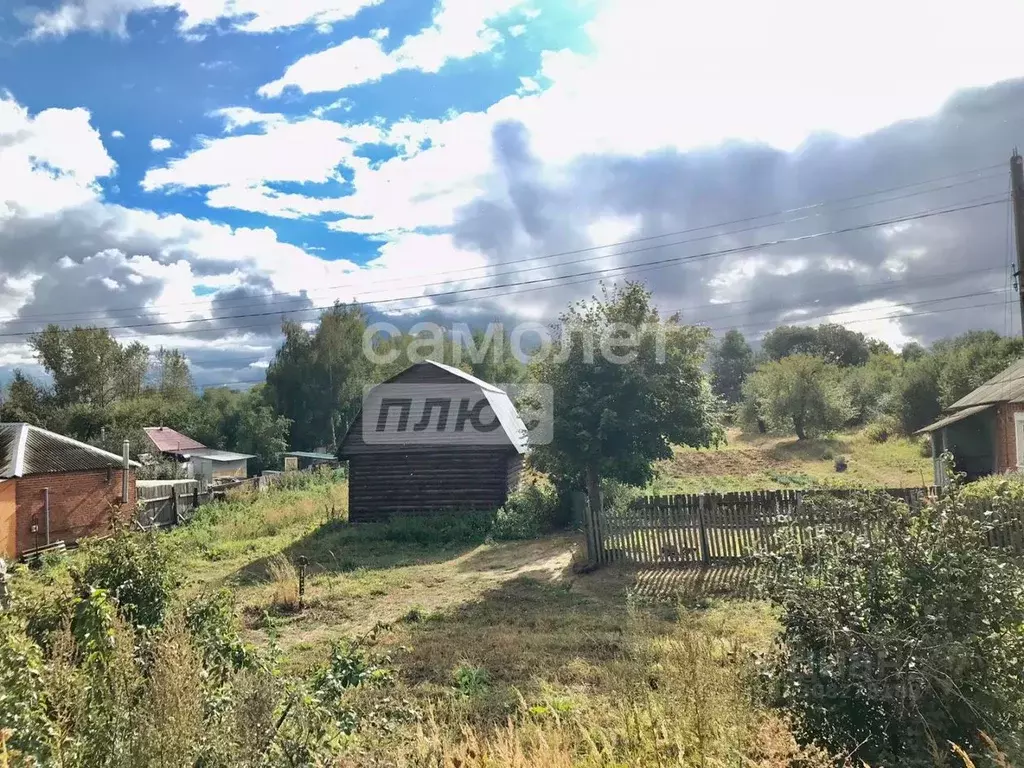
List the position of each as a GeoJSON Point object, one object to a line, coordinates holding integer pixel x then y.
{"type": "Point", "coordinates": [758, 462]}
{"type": "Point", "coordinates": [504, 654]}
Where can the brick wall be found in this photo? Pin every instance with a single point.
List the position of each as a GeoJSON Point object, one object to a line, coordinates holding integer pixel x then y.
{"type": "Point", "coordinates": [79, 504]}
{"type": "Point", "coordinates": [1006, 436]}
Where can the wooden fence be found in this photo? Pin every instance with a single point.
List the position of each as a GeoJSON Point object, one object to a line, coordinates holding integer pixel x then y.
{"type": "Point", "coordinates": [708, 528]}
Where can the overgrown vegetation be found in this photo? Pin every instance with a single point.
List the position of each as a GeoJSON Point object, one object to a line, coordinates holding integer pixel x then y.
{"type": "Point", "coordinates": [901, 630]}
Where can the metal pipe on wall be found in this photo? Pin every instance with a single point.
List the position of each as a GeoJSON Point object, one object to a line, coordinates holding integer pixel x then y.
{"type": "Point", "coordinates": [125, 464]}
{"type": "Point", "coordinates": [46, 513]}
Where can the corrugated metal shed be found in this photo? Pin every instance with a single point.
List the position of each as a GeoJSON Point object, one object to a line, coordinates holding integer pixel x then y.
{"type": "Point", "coordinates": [29, 450]}
{"type": "Point", "coordinates": [958, 416]}
{"type": "Point", "coordinates": [1004, 387]}
{"type": "Point", "coordinates": [168, 440]}
{"type": "Point", "coordinates": [214, 454]}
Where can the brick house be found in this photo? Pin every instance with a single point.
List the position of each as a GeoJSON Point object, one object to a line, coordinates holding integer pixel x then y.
{"type": "Point", "coordinates": [984, 430]}
{"type": "Point", "coordinates": [54, 488]}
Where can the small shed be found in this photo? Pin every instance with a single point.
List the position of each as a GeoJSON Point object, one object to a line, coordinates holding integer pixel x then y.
{"type": "Point", "coordinates": [54, 488]}
{"type": "Point", "coordinates": [432, 439]}
{"type": "Point", "coordinates": [984, 430]}
{"type": "Point", "coordinates": [211, 466]}
{"type": "Point", "coordinates": [300, 460]}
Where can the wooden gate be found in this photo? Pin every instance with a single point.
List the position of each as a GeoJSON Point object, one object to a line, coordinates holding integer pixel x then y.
{"type": "Point", "coordinates": [706, 528]}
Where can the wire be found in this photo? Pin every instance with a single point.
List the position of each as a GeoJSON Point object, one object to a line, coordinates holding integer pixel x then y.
{"type": "Point", "coordinates": [536, 281]}
{"type": "Point", "coordinates": [813, 206]}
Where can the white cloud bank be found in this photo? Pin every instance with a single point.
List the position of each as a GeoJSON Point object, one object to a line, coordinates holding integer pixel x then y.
{"type": "Point", "coordinates": [160, 144]}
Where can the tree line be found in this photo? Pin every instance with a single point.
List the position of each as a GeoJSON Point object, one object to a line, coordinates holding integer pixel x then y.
{"type": "Point", "coordinates": [813, 380]}
{"type": "Point", "coordinates": [611, 420]}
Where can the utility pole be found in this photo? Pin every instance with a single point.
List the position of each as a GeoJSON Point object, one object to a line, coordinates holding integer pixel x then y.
{"type": "Point", "coordinates": [1017, 184]}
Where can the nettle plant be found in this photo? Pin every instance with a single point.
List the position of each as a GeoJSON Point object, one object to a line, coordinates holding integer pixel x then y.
{"type": "Point", "coordinates": [903, 630]}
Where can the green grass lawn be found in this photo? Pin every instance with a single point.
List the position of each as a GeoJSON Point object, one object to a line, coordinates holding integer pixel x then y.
{"type": "Point", "coordinates": [761, 462]}
{"type": "Point", "coordinates": [507, 655]}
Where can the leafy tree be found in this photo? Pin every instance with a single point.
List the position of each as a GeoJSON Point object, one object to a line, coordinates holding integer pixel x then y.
{"type": "Point", "coordinates": [789, 340]}
{"type": "Point", "coordinates": [833, 343]}
{"type": "Point", "coordinates": [260, 431]}
{"type": "Point", "coordinates": [873, 386]}
{"type": "Point", "coordinates": [732, 360]}
{"type": "Point", "coordinates": [84, 363]}
{"type": "Point", "coordinates": [172, 375]}
{"type": "Point", "coordinates": [912, 351]}
{"type": "Point", "coordinates": [840, 346]}
{"type": "Point", "coordinates": [917, 393]}
{"type": "Point", "coordinates": [968, 361]}
{"type": "Point", "coordinates": [317, 378]}
{"type": "Point", "coordinates": [800, 392]}
{"type": "Point", "coordinates": [619, 413]}
{"type": "Point", "coordinates": [26, 401]}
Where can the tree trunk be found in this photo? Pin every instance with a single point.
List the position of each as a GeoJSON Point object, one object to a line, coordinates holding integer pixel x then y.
{"type": "Point", "coordinates": [762, 428]}
{"type": "Point", "coordinates": [798, 425]}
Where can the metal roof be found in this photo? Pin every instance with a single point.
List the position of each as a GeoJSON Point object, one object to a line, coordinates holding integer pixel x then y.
{"type": "Point", "coordinates": [958, 416]}
{"type": "Point", "coordinates": [29, 450]}
{"type": "Point", "coordinates": [311, 455]}
{"type": "Point", "coordinates": [215, 454]}
{"type": "Point", "coordinates": [1005, 387]}
{"type": "Point", "coordinates": [421, 385]}
{"type": "Point", "coordinates": [168, 440]}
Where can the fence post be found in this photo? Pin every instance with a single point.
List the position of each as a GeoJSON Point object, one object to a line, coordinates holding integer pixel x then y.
{"type": "Point", "coordinates": [705, 555]}
{"type": "Point", "coordinates": [174, 505]}
{"type": "Point", "coordinates": [303, 562]}
{"type": "Point", "coordinates": [581, 512]}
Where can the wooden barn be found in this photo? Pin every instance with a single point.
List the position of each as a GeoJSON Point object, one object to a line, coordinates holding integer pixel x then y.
{"type": "Point", "coordinates": [432, 439]}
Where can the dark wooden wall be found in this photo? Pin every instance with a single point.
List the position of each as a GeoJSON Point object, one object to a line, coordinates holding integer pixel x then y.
{"type": "Point", "coordinates": [424, 482]}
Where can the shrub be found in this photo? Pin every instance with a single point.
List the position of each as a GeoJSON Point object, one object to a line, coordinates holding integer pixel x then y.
{"type": "Point", "coordinates": [470, 680]}
{"type": "Point", "coordinates": [22, 703]}
{"type": "Point", "coordinates": [901, 629]}
{"type": "Point", "coordinates": [924, 447]}
{"type": "Point", "coordinates": [880, 431]}
{"type": "Point", "coordinates": [528, 513]}
{"type": "Point", "coordinates": [840, 463]}
{"type": "Point", "coordinates": [133, 569]}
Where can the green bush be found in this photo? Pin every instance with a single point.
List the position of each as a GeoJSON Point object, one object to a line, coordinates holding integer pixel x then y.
{"type": "Point", "coordinates": [901, 629]}
{"type": "Point", "coordinates": [924, 447]}
{"type": "Point", "coordinates": [880, 431]}
{"type": "Point", "coordinates": [528, 513]}
{"type": "Point", "coordinates": [22, 701]}
{"type": "Point", "coordinates": [133, 569]}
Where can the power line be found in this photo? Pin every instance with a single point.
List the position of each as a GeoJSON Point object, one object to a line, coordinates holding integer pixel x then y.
{"type": "Point", "coordinates": [590, 249]}
{"type": "Point", "coordinates": [634, 268]}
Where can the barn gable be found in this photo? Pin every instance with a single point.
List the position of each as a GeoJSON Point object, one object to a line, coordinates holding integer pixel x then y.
{"type": "Point", "coordinates": [432, 469]}
{"type": "Point", "coordinates": [430, 379]}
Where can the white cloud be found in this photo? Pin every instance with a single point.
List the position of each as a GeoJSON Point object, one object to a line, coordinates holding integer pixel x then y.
{"type": "Point", "coordinates": [308, 150]}
{"type": "Point", "coordinates": [160, 144]}
{"type": "Point", "coordinates": [116, 135]}
{"type": "Point", "coordinates": [460, 29]}
{"type": "Point", "coordinates": [244, 15]}
{"type": "Point", "coordinates": [48, 162]}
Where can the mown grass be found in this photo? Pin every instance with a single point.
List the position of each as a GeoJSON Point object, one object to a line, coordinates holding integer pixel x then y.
{"type": "Point", "coordinates": [761, 462]}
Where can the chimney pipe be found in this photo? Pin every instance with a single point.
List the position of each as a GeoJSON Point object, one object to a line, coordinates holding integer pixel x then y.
{"type": "Point", "coordinates": [124, 472]}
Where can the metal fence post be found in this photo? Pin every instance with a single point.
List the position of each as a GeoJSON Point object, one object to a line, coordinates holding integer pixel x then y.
{"type": "Point", "coordinates": [303, 562]}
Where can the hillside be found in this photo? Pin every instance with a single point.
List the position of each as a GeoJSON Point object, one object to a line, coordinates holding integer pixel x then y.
{"type": "Point", "coordinates": [756, 462]}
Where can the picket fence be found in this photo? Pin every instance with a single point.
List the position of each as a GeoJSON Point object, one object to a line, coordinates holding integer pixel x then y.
{"type": "Point", "coordinates": [710, 528]}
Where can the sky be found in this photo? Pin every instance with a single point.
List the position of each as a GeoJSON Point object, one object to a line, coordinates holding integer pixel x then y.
{"type": "Point", "coordinates": [188, 172]}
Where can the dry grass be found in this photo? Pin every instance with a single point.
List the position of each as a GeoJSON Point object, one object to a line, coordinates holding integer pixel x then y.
{"type": "Point", "coordinates": [759, 462]}
{"type": "Point", "coordinates": [285, 581]}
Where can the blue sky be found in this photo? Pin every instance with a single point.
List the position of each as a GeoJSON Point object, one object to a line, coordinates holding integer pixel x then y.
{"type": "Point", "coordinates": [167, 165]}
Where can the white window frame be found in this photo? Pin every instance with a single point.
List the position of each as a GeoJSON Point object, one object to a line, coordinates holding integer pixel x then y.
{"type": "Point", "coordinates": [1018, 428]}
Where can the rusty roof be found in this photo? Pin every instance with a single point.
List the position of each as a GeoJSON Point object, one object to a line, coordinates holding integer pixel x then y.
{"type": "Point", "coordinates": [29, 450]}
{"type": "Point", "coordinates": [168, 440]}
